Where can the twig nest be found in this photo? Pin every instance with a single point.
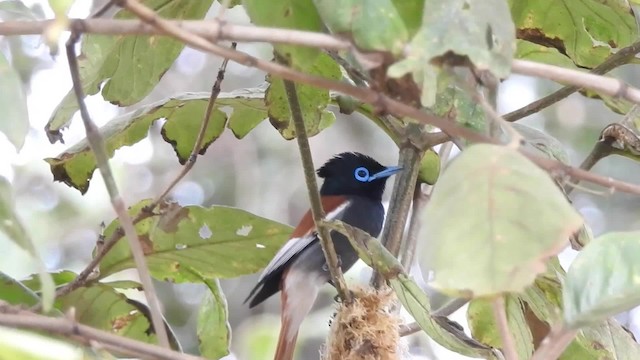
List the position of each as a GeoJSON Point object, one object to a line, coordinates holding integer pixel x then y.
{"type": "Point", "coordinates": [365, 329]}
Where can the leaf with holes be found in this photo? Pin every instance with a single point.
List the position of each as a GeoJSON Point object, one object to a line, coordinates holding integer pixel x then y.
{"type": "Point", "coordinates": [313, 101]}
{"type": "Point", "coordinates": [587, 31]}
{"type": "Point", "coordinates": [493, 219]}
{"type": "Point", "coordinates": [483, 326]}
{"type": "Point", "coordinates": [130, 65]}
{"type": "Point", "coordinates": [482, 32]}
{"type": "Point", "coordinates": [603, 280]}
{"type": "Point", "coordinates": [214, 242]}
{"type": "Point", "coordinates": [184, 114]}
{"type": "Point", "coordinates": [373, 24]}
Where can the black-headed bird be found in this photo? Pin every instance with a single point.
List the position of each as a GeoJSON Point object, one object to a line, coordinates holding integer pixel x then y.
{"type": "Point", "coordinates": [351, 192]}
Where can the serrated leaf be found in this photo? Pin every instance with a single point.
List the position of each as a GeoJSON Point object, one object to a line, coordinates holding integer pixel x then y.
{"type": "Point", "coordinates": [214, 331]}
{"type": "Point", "coordinates": [588, 31]}
{"type": "Point", "coordinates": [13, 102]}
{"type": "Point", "coordinates": [313, 101]}
{"type": "Point", "coordinates": [216, 242]}
{"type": "Point", "coordinates": [130, 65]}
{"type": "Point", "coordinates": [603, 280]}
{"type": "Point", "coordinates": [493, 219]}
{"type": "Point", "coordinates": [373, 24]}
{"type": "Point", "coordinates": [11, 225]}
{"type": "Point", "coordinates": [484, 329]}
{"type": "Point", "coordinates": [480, 31]}
{"type": "Point", "coordinates": [184, 114]}
{"type": "Point", "coordinates": [288, 14]}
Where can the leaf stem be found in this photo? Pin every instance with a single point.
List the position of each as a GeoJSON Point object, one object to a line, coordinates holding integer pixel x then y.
{"type": "Point", "coordinates": [317, 211]}
{"type": "Point", "coordinates": [554, 343]}
{"type": "Point", "coordinates": [500, 314]}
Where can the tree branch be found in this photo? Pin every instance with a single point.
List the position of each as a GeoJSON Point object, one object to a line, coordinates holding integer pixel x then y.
{"type": "Point", "coordinates": [317, 211]}
{"type": "Point", "coordinates": [554, 344]}
{"type": "Point", "coordinates": [85, 334]}
{"type": "Point", "coordinates": [621, 57]}
{"type": "Point", "coordinates": [96, 142]}
{"type": "Point", "coordinates": [604, 84]}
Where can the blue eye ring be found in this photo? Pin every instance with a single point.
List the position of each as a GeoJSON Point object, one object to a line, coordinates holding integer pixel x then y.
{"type": "Point", "coordinates": [361, 174]}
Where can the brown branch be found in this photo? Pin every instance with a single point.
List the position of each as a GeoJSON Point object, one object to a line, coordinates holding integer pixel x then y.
{"type": "Point", "coordinates": [604, 84]}
{"type": "Point", "coordinates": [554, 344]}
{"type": "Point", "coordinates": [96, 143]}
{"type": "Point", "coordinates": [86, 335]}
{"type": "Point", "coordinates": [213, 30]}
{"type": "Point", "coordinates": [317, 211]}
{"type": "Point", "coordinates": [621, 57]}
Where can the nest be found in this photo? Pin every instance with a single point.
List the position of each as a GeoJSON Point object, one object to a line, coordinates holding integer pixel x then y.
{"type": "Point", "coordinates": [365, 329]}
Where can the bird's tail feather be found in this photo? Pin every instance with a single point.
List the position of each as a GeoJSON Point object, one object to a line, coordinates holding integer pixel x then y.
{"type": "Point", "coordinates": [286, 344]}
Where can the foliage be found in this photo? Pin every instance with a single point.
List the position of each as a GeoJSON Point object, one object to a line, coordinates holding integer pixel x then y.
{"type": "Point", "coordinates": [495, 221]}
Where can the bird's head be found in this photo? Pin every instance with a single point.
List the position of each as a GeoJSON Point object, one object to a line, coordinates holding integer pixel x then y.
{"type": "Point", "coordinates": [353, 173]}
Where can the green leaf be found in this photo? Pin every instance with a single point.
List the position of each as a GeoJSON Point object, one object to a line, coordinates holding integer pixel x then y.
{"type": "Point", "coordinates": [13, 102]}
{"type": "Point", "coordinates": [288, 14]}
{"type": "Point", "coordinates": [453, 102]}
{"type": "Point", "coordinates": [313, 101]}
{"type": "Point", "coordinates": [215, 242]}
{"type": "Point", "coordinates": [130, 65]}
{"type": "Point", "coordinates": [16, 10]}
{"type": "Point", "coordinates": [484, 329]}
{"type": "Point", "coordinates": [11, 225]}
{"type": "Point", "coordinates": [184, 114]}
{"type": "Point", "coordinates": [527, 50]}
{"type": "Point", "coordinates": [373, 24]}
{"type": "Point", "coordinates": [214, 331]}
{"type": "Point", "coordinates": [603, 280]}
{"type": "Point", "coordinates": [14, 292]}
{"type": "Point", "coordinates": [543, 143]}
{"type": "Point", "coordinates": [588, 31]}
{"type": "Point", "coordinates": [59, 278]}
{"type": "Point", "coordinates": [411, 13]}
{"type": "Point", "coordinates": [493, 219]}
{"type": "Point", "coordinates": [24, 345]}
{"type": "Point", "coordinates": [480, 31]}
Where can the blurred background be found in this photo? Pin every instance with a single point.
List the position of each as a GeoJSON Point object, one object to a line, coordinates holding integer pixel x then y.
{"type": "Point", "coordinates": [260, 173]}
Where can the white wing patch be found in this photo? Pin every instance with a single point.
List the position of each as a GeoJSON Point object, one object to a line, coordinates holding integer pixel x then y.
{"type": "Point", "coordinates": [295, 245]}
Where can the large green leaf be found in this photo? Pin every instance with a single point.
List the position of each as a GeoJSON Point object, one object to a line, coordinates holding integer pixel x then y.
{"type": "Point", "coordinates": [453, 102]}
{"type": "Point", "coordinates": [492, 221]}
{"type": "Point", "coordinates": [214, 331]}
{"type": "Point", "coordinates": [603, 280]}
{"type": "Point", "coordinates": [373, 24]}
{"type": "Point", "coordinates": [14, 121]}
{"type": "Point", "coordinates": [130, 65]}
{"type": "Point", "coordinates": [480, 31]}
{"type": "Point", "coordinates": [527, 50]}
{"type": "Point", "coordinates": [484, 329]}
{"type": "Point", "coordinates": [588, 31]}
{"type": "Point", "coordinates": [214, 242]}
{"type": "Point", "coordinates": [11, 225]}
{"type": "Point", "coordinates": [288, 14]}
{"type": "Point", "coordinates": [313, 101]}
{"type": "Point", "coordinates": [184, 114]}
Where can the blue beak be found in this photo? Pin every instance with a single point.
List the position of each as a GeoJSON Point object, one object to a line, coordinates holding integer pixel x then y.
{"type": "Point", "coordinates": [385, 173]}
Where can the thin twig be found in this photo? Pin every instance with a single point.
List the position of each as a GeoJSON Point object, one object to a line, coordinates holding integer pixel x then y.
{"type": "Point", "coordinates": [554, 344]}
{"type": "Point", "coordinates": [401, 197]}
{"type": "Point", "coordinates": [85, 334]}
{"type": "Point", "coordinates": [96, 142]}
{"type": "Point", "coordinates": [621, 57]}
{"type": "Point", "coordinates": [317, 211]}
{"type": "Point", "coordinates": [604, 84]}
{"type": "Point", "coordinates": [500, 315]}
{"type": "Point", "coordinates": [106, 246]}
{"type": "Point", "coordinates": [420, 200]}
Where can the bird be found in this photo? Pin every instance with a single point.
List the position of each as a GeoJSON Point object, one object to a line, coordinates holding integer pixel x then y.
{"type": "Point", "coordinates": [352, 189]}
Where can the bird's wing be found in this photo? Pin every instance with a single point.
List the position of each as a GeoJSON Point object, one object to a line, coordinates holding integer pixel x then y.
{"type": "Point", "coordinates": [305, 233]}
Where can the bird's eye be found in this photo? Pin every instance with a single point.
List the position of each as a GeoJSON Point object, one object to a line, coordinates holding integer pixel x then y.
{"type": "Point", "coordinates": [361, 174]}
